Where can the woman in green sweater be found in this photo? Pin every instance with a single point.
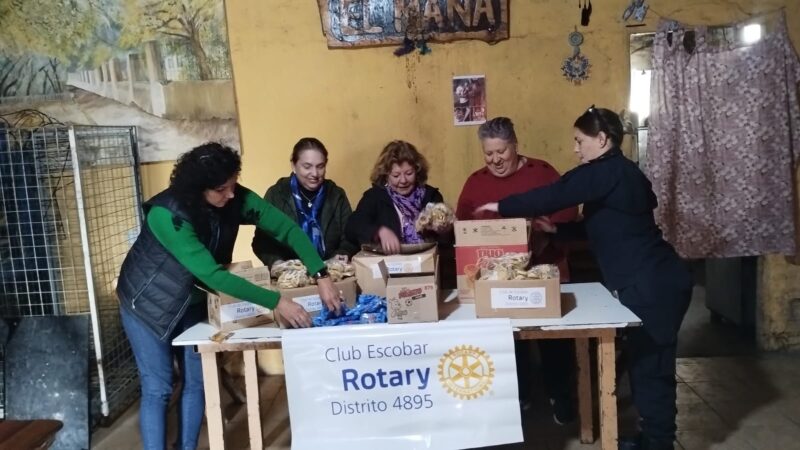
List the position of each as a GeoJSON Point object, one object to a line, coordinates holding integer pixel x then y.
{"type": "Point", "coordinates": [186, 242]}
{"type": "Point", "coordinates": [318, 205]}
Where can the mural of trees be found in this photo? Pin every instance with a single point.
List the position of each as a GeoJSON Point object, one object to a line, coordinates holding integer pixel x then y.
{"type": "Point", "coordinates": [190, 21]}
{"type": "Point", "coordinates": [39, 42]}
{"type": "Point", "coordinates": [42, 40]}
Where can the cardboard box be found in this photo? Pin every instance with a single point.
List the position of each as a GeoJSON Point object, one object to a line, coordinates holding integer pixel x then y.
{"type": "Point", "coordinates": [411, 298]}
{"type": "Point", "coordinates": [308, 297]}
{"type": "Point", "coordinates": [478, 239]}
{"type": "Point", "coordinates": [228, 313]}
{"type": "Point", "coordinates": [369, 275]}
{"type": "Point", "coordinates": [518, 299]}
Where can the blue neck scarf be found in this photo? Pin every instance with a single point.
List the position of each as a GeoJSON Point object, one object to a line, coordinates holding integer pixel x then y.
{"type": "Point", "coordinates": [308, 217]}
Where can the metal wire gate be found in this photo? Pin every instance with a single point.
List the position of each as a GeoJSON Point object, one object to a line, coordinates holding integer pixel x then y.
{"type": "Point", "coordinates": [70, 208]}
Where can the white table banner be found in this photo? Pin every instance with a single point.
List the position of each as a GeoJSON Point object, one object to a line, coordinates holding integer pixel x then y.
{"type": "Point", "coordinates": [446, 385]}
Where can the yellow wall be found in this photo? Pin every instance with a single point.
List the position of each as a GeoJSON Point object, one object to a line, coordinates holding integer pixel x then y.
{"type": "Point", "coordinates": [289, 85]}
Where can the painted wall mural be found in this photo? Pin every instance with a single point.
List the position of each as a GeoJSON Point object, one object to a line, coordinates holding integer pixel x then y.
{"type": "Point", "coordinates": [161, 65]}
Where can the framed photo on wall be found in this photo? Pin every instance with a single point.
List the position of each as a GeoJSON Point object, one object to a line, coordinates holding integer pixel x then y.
{"type": "Point", "coordinates": [469, 100]}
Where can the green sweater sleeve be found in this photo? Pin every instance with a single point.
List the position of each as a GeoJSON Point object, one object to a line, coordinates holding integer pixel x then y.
{"type": "Point", "coordinates": [180, 240]}
{"type": "Point", "coordinates": [259, 212]}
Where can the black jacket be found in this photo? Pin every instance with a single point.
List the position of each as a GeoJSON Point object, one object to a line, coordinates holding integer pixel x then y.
{"type": "Point", "coordinates": [152, 284]}
{"type": "Point", "coordinates": [333, 218]}
{"type": "Point", "coordinates": [376, 210]}
{"type": "Point", "coordinates": [618, 203]}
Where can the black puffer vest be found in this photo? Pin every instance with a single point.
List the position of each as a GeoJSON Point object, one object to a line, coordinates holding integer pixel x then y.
{"type": "Point", "coordinates": [152, 284]}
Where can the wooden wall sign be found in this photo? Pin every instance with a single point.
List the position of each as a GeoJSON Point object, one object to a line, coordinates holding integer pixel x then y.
{"type": "Point", "coordinates": [357, 23]}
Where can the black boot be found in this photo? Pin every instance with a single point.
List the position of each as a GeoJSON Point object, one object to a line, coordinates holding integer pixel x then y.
{"type": "Point", "coordinates": [648, 444]}
{"type": "Point", "coordinates": [563, 412]}
{"type": "Point", "coordinates": [640, 442]}
{"type": "Point", "coordinates": [630, 443]}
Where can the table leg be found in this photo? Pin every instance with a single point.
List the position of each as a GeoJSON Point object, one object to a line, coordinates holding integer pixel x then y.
{"type": "Point", "coordinates": [213, 403]}
{"type": "Point", "coordinates": [251, 389]}
{"type": "Point", "coordinates": [607, 374]}
{"type": "Point", "coordinates": [584, 390]}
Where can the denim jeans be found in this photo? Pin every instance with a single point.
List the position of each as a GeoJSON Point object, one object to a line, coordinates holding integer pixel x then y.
{"type": "Point", "coordinates": [154, 358]}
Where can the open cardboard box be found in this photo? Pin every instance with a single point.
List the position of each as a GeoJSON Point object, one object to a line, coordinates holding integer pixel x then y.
{"type": "Point", "coordinates": [369, 276]}
{"type": "Point", "coordinates": [518, 299]}
{"type": "Point", "coordinates": [479, 239]}
{"type": "Point", "coordinates": [227, 313]}
{"type": "Point", "coordinates": [308, 297]}
{"type": "Point", "coordinates": [411, 297]}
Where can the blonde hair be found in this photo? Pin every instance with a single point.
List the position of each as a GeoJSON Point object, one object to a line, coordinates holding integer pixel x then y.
{"type": "Point", "coordinates": [398, 152]}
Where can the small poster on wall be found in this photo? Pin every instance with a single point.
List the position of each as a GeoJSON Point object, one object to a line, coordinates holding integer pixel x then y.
{"type": "Point", "coordinates": [469, 100]}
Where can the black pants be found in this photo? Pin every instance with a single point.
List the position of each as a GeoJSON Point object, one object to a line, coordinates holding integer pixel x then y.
{"type": "Point", "coordinates": [653, 387]}
{"type": "Point", "coordinates": [558, 367]}
{"type": "Point", "coordinates": [661, 302]}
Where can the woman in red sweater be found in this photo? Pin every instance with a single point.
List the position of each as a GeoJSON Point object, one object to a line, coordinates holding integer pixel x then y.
{"type": "Point", "coordinates": [507, 173]}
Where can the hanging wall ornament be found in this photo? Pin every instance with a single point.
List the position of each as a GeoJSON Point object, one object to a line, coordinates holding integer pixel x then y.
{"type": "Point", "coordinates": [576, 67]}
{"type": "Point", "coordinates": [422, 45]}
{"type": "Point", "coordinates": [406, 48]}
{"type": "Point", "coordinates": [637, 9]}
{"type": "Point", "coordinates": [410, 45]}
{"type": "Point", "coordinates": [586, 11]}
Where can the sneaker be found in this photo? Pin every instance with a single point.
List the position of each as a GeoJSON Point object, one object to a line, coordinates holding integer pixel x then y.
{"type": "Point", "coordinates": [563, 413]}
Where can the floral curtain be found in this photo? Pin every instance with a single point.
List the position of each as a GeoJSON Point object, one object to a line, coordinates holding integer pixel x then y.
{"type": "Point", "coordinates": [724, 139]}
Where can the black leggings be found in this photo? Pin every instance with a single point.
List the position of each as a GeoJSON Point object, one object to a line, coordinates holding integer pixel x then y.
{"type": "Point", "coordinates": [651, 368]}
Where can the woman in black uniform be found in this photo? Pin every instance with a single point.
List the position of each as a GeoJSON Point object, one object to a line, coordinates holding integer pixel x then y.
{"type": "Point", "coordinates": [648, 275]}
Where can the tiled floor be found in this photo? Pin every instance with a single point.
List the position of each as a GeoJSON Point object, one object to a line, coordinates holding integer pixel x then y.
{"type": "Point", "coordinates": [700, 336]}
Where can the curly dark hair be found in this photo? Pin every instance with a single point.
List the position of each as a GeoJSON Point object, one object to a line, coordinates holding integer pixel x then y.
{"type": "Point", "coordinates": [398, 152]}
{"type": "Point", "coordinates": [204, 167]}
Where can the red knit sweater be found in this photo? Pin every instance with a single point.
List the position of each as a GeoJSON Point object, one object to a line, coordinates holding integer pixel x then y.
{"type": "Point", "coordinates": [482, 187]}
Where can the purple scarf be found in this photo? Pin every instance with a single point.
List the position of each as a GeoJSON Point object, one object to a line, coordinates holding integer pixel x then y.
{"type": "Point", "coordinates": [409, 207]}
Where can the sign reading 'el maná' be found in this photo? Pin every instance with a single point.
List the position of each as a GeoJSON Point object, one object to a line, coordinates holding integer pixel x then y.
{"type": "Point", "coordinates": [352, 23]}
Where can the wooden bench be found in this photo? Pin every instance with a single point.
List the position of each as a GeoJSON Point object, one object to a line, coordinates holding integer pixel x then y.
{"type": "Point", "coordinates": [28, 434]}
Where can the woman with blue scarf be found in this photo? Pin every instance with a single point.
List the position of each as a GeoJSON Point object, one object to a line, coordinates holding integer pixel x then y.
{"type": "Point", "coordinates": [318, 205]}
{"type": "Point", "coordinates": [388, 210]}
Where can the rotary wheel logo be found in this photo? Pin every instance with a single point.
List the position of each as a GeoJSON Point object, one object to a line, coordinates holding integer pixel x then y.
{"type": "Point", "coordinates": [466, 372]}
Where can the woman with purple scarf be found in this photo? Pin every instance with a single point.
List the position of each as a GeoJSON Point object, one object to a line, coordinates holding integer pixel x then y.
{"type": "Point", "coordinates": [387, 211]}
